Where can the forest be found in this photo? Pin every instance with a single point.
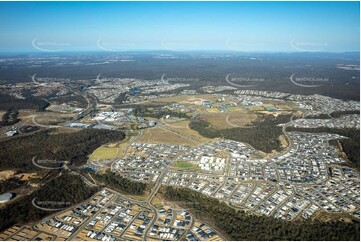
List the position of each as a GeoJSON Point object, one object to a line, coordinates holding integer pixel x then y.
{"type": "Point", "coordinates": [9, 118]}
{"type": "Point", "coordinates": [30, 102]}
{"type": "Point", "coordinates": [210, 67]}
{"type": "Point", "coordinates": [67, 190]}
{"type": "Point", "coordinates": [151, 111]}
{"type": "Point", "coordinates": [17, 153]}
{"type": "Point", "coordinates": [263, 136]}
{"type": "Point", "coordinates": [237, 225]}
{"type": "Point", "coordinates": [338, 114]}
{"type": "Point", "coordinates": [10, 184]}
{"type": "Point", "coordinates": [121, 184]}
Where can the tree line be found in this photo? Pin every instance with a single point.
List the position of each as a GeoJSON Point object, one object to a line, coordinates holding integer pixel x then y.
{"type": "Point", "coordinates": [237, 225]}
{"type": "Point", "coordinates": [121, 184]}
{"type": "Point", "coordinates": [10, 117]}
{"type": "Point", "coordinates": [66, 190]}
{"type": "Point", "coordinates": [10, 184]}
{"type": "Point", "coordinates": [75, 147]}
{"type": "Point", "coordinates": [263, 136]}
{"type": "Point", "coordinates": [30, 102]}
{"type": "Point", "coordinates": [155, 111]}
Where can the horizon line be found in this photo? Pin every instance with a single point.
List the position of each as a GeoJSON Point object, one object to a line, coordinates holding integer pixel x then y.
{"type": "Point", "coordinates": [172, 51]}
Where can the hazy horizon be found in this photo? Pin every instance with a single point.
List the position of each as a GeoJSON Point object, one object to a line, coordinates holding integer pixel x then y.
{"type": "Point", "coordinates": [179, 26]}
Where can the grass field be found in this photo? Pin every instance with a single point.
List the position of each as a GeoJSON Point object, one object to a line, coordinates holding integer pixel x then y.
{"type": "Point", "coordinates": [228, 120]}
{"type": "Point", "coordinates": [235, 109]}
{"type": "Point", "coordinates": [212, 110]}
{"type": "Point", "coordinates": [256, 108]}
{"type": "Point", "coordinates": [157, 201]}
{"type": "Point", "coordinates": [139, 197]}
{"type": "Point", "coordinates": [113, 150]}
{"type": "Point", "coordinates": [60, 108]}
{"type": "Point", "coordinates": [186, 99]}
{"type": "Point", "coordinates": [284, 107]}
{"type": "Point", "coordinates": [183, 128]}
{"type": "Point", "coordinates": [62, 130]}
{"type": "Point", "coordinates": [49, 118]}
{"type": "Point", "coordinates": [184, 165]}
{"type": "Point", "coordinates": [103, 153]}
{"type": "Point", "coordinates": [162, 136]}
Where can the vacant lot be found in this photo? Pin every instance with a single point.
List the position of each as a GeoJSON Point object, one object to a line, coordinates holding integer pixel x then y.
{"type": "Point", "coordinates": [256, 108]}
{"type": "Point", "coordinates": [185, 165]}
{"type": "Point", "coordinates": [4, 175]}
{"type": "Point", "coordinates": [228, 120]}
{"type": "Point", "coordinates": [183, 128]}
{"type": "Point", "coordinates": [103, 153]}
{"type": "Point", "coordinates": [162, 136]}
{"type": "Point", "coordinates": [112, 150]}
{"type": "Point", "coordinates": [186, 99]}
{"type": "Point", "coordinates": [284, 104]}
{"type": "Point", "coordinates": [284, 107]}
{"type": "Point", "coordinates": [50, 118]}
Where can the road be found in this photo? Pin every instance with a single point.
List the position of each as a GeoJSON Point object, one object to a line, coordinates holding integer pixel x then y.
{"type": "Point", "coordinates": [44, 125]}
{"type": "Point", "coordinates": [237, 126]}
{"type": "Point", "coordinates": [126, 149]}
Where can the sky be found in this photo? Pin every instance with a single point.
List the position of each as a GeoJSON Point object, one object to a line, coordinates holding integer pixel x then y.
{"type": "Point", "coordinates": [179, 26]}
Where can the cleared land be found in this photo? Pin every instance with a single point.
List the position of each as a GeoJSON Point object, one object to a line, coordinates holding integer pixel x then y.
{"type": "Point", "coordinates": [162, 136]}
{"type": "Point", "coordinates": [4, 175]}
{"type": "Point", "coordinates": [103, 153]}
{"type": "Point", "coordinates": [25, 117]}
{"type": "Point", "coordinates": [51, 118]}
{"type": "Point", "coordinates": [228, 120]}
{"type": "Point", "coordinates": [183, 128]}
{"type": "Point", "coordinates": [186, 99]}
{"type": "Point", "coordinates": [112, 150]}
{"type": "Point", "coordinates": [184, 165]}
{"type": "Point", "coordinates": [282, 104]}
{"type": "Point", "coordinates": [62, 108]}
{"type": "Point", "coordinates": [256, 108]}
